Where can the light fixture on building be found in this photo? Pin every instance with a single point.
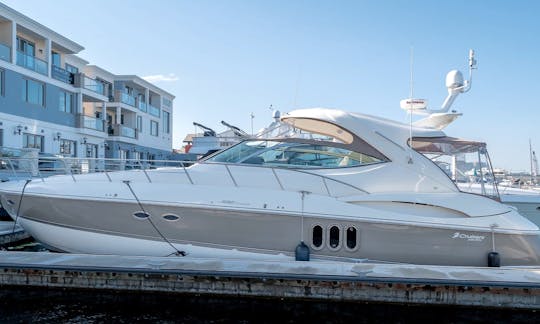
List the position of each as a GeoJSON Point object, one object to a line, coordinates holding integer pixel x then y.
{"type": "Point", "coordinates": [84, 140]}
{"type": "Point", "coordinates": [57, 136]}
{"type": "Point", "coordinates": [18, 129]}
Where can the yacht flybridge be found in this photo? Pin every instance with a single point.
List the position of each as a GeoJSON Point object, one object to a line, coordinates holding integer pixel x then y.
{"type": "Point", "coordinates": [352, 191]}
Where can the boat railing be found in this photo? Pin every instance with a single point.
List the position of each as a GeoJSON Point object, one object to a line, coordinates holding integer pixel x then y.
{"type": "Point", "coordinates": [13, 167]}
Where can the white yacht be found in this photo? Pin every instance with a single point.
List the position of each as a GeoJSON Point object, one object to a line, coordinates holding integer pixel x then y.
{"type": "Point", "coordinates": [353, 191]}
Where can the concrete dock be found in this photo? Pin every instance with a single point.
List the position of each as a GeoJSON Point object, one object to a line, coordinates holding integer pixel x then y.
{"type": "Point", "coordinates": [508, 287]}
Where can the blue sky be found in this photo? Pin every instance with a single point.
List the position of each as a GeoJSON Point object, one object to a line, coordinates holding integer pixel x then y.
{"type": "Point", "coordinates": [228, 58]}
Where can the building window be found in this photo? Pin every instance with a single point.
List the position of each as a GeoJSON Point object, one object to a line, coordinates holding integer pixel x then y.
{"type": "Point", "coordinates": [166, 122]}
{"type": "Point", "coordinates": [56, 59]}
{"type": "Point", "coordinates": [154, 126]}
{"type": "Point", "coordinates": [1, 137]}
{"type": "Point", "coordinates": [139, 124]}
{"type": "Point", "coordinates": [66, 102]}
{"type": "Point", "coordinates": [67, 147]}
{"type": "Point", "coordinates": [72, 69]}
{"type": "Point", "coordinates": [167, 103]}
{"type": "Point", "coordinates": [33, 92]}
{"type": "Point", "coordinates": [122, 154]}
{"type": "Point", "coordinates": [26, 47]}
{"type": "Point", "coordinates": [91, 150]}
{"type": "Point", "coordinates": [33, 141]}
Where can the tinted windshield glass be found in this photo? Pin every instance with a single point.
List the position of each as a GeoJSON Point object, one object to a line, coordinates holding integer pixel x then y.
{"type": "Point", "coordinates": [465, 162]}
{"type": "Point", "coordinates": [293, 154]}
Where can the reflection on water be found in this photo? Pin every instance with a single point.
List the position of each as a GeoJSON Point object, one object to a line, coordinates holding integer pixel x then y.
{"type": "Point", "coordinates": [75, 306]}
{"type": "Point", "coordinates": [27, 245]}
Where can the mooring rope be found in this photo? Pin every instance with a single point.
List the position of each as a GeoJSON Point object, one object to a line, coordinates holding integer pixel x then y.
{"type": "Point", "coordinates": [19, 207]}
{"type": "Point", "coordinates": [177, 252]}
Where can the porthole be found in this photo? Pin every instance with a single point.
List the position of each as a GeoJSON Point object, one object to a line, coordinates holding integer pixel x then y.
{"type": "Point", "coordinates": [141, 215]}
{"type": "Point", "coordinates": [317, 237]}
{"type": "Point", "coordinates": [170, 217]}
{"type": "Point", "coordinates": [351, 237]}
{"type": "Point", "coordinates": [333, 237]}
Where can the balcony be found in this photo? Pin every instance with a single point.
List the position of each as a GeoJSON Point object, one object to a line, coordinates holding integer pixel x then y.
{"type": "Point", "coordinates": [128, 131]}
{"type": "Point", "coordinates": [125, 98]}
{"type": "Point", "coordinates": [91, 123]}
{"type": "Point", "coordinates": [62, 75]}
{"type": "Point", "coordinates": [142, 106]}
{"type": "Point", "coordinates": [153, 111]}
{"type": "Point", "coordinates": [124, 131]}
{"type": "Point", "coordinates": [5, 53]}
{"type": "Point", "coordinates": [93, 85]}
{"type": "Point", "coordinates": [32, 63]}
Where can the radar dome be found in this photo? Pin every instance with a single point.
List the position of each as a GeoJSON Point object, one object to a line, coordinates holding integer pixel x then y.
{"type": "Point", "coordinates": [454, 79]}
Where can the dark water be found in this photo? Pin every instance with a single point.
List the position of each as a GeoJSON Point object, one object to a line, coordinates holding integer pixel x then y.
{"type": "Point", "coordinates": [31, 305]}
{"type": "Point", "coordinates": [27, 245]}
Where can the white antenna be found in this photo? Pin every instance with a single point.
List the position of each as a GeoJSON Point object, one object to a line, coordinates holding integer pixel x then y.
{"type": "Point", "coordinates": [410, 111]}
{"type": "Point", "coordinates": [532, 157]}
{"type": "Point", "coordinates": [252, 116]}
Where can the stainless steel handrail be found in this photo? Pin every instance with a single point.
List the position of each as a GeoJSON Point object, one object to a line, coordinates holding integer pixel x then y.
{"type": "Point", "coordinates": [293, 170]}
{"type": "Point", "coordinates": [73, 166]}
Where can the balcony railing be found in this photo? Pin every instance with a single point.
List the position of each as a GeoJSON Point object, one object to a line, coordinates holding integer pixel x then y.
{"type": "Point", "coordinates": [5, 53]}
{"type": "Point", "coordinates": [32, 63]}
{"type": "Point", "coordinates": [62, 75]}
{"type": "Point", "coordinates": [91, 123]}
{"type": "Point", "coordinates": [127, 131]}
{"type": "Point", "coordinates": [142, 106]}
{"type": "Point", "coordinates": [93, 85]}
{"type": "Point", "coordinates": [153, 110]}
{"type": "Point", "coordinates": [125, 98]}
{"type": "Point", "coordinates": [124, 131]}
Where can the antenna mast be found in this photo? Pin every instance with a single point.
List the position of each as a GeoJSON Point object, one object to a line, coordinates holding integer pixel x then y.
{"type": "Point", "coordinates": [252, 116]}
{"type": "Point", "coordinates": [411, 96]}
{"type": "Point", "coordinates": [534, 163]}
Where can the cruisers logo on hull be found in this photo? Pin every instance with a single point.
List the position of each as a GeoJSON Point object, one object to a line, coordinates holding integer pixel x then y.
{"type": "Point", "coordinates": [468, 237]}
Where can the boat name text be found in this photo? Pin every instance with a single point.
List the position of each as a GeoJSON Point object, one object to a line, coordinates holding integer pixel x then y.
{"type": "Point", "coordinates": [468, 237]}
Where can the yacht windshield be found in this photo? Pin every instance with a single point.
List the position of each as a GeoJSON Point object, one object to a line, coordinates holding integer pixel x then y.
{"type": "Point", "coordinates": [294, 153]}
{"type": "Point", "coordinates": [467, 163]}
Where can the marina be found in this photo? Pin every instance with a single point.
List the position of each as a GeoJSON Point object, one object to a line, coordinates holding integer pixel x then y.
{"type": "Point", "coordinates": [341, 208]}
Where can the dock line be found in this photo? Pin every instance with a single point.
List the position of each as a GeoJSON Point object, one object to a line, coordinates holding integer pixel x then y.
{"type": "Point", "coordinates": [177, 252]}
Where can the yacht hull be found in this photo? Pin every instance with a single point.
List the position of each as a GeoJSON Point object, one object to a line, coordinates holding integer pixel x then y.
{"type": "Point", "coordinates": [110, 227]}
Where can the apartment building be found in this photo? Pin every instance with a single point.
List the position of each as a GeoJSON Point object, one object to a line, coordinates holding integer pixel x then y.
{"type": "Point", "coordinates": [55, 102]}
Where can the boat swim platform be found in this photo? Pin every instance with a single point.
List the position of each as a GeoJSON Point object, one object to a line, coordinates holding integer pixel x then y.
{"type": "Point", "coordinates": [505, 287]}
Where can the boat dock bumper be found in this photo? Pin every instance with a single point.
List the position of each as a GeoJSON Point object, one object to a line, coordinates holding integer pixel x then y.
{"type": "Point", "coordinates": [507, 287]}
